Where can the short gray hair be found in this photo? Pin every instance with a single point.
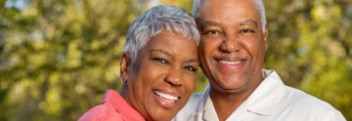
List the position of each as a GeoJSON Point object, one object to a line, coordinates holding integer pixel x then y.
{"type": "Point", "coordinates": [153, 21]}
{"type": "Point", "coordinates": [259, 3]}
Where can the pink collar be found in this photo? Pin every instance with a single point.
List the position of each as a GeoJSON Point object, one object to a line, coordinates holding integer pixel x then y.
{"type": "Point", "coordinates": [121, 106]}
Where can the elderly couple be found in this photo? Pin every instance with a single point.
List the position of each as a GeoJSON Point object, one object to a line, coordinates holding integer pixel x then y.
{"type": "Point", "coordinates": [228, 39]}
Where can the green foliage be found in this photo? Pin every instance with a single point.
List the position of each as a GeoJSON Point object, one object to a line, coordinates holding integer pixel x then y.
{"type": "Point", "coordinates": [57, 57]}
{"type": "Point", "coordinates": [311, 48]}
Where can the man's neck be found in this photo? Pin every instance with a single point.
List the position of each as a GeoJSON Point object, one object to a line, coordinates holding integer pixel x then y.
{"type": "Point", "coordinates": [226, 103]}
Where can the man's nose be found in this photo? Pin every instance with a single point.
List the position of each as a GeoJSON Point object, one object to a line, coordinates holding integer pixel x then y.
{"type": "Point", "coordinates": [230, 44]}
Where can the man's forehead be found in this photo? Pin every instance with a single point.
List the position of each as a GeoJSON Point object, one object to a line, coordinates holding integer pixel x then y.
{"type": "Point", "coordinates": [249, 22]}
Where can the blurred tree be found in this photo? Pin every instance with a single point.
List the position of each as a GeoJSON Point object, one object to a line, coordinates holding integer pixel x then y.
{"type": "Point", "coordinates": [57, 57]}
{"type": "Point", "coordinates": [311, 47]}
{"type": "Point", "coordinates": [185, 4]}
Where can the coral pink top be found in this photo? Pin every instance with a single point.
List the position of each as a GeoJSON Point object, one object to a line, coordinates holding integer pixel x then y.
{"type": "Point", "coordinates": [114, 108]}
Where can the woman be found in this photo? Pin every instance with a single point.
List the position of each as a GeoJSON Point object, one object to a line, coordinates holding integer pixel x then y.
{"type": "Point", "coordinates": [158, 68]}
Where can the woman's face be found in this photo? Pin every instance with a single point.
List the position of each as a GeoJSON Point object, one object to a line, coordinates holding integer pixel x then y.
{"type": "Point", "coordinates": [163, 77]}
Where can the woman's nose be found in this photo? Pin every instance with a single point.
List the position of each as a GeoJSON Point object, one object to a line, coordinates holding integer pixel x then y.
{"type": "Point", "coordinates": [174, 77]}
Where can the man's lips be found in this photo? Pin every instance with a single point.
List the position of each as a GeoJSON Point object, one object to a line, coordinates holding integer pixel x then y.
{"type": "Point", "coordinates": [230, 62]}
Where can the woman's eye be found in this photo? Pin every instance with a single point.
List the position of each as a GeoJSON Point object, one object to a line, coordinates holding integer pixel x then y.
{"type": "Point", "coordinates": [161, 60]}
{"type": "Point", "coordinates": [190, 68]}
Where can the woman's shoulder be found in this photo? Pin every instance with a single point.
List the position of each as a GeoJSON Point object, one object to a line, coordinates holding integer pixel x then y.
{"type": "Point", "coordinates": [102, 112]}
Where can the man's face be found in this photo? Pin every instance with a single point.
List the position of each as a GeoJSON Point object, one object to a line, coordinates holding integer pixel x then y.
{"type": "Point", "coordinates": [233, 44]}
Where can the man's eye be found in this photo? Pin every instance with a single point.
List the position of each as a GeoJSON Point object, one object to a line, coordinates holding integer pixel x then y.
{"type": "Point", "coordinates": [161, 60]}
{"type": "Point", "coordinates": [213, 33]}
{"type": "Point", "coordinates": [246, 31]}
{"type": "Point", "coordinates": [209, 32]}
{"type": "Point", "coordinates": [191, 68]}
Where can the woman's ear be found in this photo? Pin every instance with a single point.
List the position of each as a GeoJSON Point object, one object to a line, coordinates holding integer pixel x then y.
{"type": "Point", "coordinates": [125, 65]}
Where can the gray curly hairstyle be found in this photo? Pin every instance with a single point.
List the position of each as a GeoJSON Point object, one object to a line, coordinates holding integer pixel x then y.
{"type": "Point", "coordinates": [153, 21]}
{"type": "Point", "coordinates": [259, 3]}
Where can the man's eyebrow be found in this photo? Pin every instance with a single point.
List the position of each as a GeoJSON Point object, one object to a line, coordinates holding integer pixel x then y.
{"type": "Point", "coordinates": [209, 23]}
{"type": "Point", "coordinates": [213, 23]}
{"type": "Point", "coordinates": [249, 22]}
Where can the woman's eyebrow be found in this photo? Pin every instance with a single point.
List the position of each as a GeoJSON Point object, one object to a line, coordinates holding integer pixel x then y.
{"type": "Point", "coordinates": [160, 50]}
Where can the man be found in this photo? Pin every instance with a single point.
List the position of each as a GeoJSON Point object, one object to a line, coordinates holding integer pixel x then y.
{"type": "Point", "coordinates": [234, 40]}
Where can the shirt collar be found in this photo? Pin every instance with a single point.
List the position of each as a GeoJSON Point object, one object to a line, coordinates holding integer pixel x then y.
{"type": "Point", "coordinates": [267, 95]}
{"type": "Point", "coordinates": [206, 109]}
{"type": "Point", "coordinates": [121, 106]}
{"type": "Point", "coordinates": [261, 102]}
{"type": "Point", "coordinates": [210, 114]}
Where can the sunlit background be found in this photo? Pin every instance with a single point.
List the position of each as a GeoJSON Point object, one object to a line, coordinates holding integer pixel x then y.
{"type": "Point", "coordinates": [57, 57]}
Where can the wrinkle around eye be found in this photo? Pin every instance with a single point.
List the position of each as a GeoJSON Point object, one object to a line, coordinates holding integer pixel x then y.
{"type": "Point", "coordinates": [191, 68]}
{"type": "Point", "coordinates": [213, 33]}
{"type": "Point", "coordinates": [247, 31]}
{"type": "Point", "coordinates": [160, 60]}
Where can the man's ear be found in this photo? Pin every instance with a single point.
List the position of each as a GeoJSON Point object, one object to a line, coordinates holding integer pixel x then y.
{"type": "Point", "coordinates": [266, 35]}
{"type": "Point", "coordinates": [125, 65]}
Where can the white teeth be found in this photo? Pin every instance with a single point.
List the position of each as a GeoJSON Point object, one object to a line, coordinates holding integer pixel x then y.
{"type": "Point", "coordinates": [166, 96]}
{"type": "Point", "coordinates": [230, 62]}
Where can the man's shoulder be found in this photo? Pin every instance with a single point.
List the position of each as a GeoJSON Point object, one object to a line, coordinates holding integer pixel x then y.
{"type": "Point", "coordinates": [302, 104]}
{"type": "Point", "coordinates": [299, 98]}
{"type": "Point", "coordinates": [194, 104]}
{"type": "Point", "coordinates": [196, 97]}
{"type": "Point", "coordinates": [194, 101]}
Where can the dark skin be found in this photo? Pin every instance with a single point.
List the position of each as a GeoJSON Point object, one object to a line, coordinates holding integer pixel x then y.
{"type": "Point", "coordinates": [226, 104]}
{"type": "Point", "coordinates": [163, 76]}
{"type": "Point", "coordinates": [231, 51]}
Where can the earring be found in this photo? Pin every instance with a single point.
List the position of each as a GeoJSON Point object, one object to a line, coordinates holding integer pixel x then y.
{"type": "Point", "coordinates": [121, 79]}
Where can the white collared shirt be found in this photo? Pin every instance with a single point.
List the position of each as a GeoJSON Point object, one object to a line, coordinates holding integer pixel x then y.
{"type": "Point", "coordinates": [271, 101]}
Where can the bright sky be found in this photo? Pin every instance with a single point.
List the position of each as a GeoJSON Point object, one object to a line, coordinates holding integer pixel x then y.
{"type": "Point", "coordinates": [19, 4]}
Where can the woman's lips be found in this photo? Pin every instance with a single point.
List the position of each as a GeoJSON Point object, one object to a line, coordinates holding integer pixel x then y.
{"type": "Point", "coordinates": [166, 96]}
{"type": "Point", "coordinates": [166, 100]}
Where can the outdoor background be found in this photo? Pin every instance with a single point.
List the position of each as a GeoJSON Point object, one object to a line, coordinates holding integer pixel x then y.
{"type": "Point", "coordinates": [57, 57]}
